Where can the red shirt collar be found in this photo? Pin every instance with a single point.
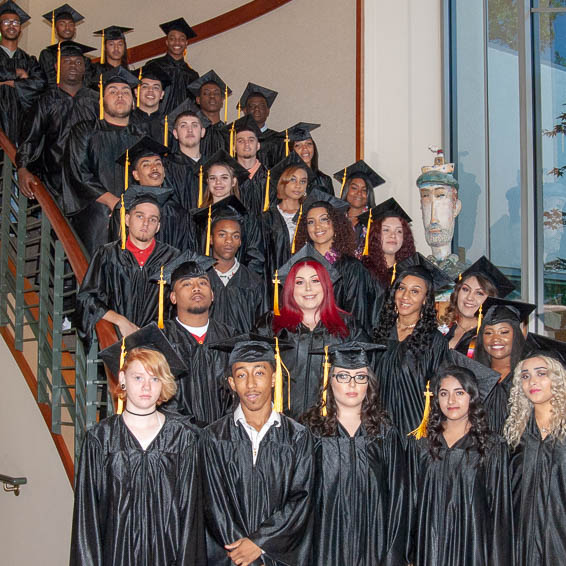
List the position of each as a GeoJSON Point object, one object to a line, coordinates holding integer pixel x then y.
{"type": "Point", "coordinates": [140, 255]}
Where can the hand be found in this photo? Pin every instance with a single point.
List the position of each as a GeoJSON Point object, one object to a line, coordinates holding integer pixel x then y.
{"type": "Point", "coordinates": [109, 200]}
{"type": "Point", "coordinates": [27, 182]}
{"type": "Point", "coordinates": [243, 551]}
{"type": "Point", "coordinates": [21, 74]}
{"type": "Point", "coordinates": [7, 83]}
{"type": "Point", "coordinates": [126, 327]}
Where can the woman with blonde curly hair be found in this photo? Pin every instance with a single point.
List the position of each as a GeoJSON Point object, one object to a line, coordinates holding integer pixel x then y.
{"type": "Point", "coordinates": [536, 430]}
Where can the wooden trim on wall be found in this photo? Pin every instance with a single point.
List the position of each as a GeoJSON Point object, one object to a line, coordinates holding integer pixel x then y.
{"type": "Point", "coordinates": [360, 79]}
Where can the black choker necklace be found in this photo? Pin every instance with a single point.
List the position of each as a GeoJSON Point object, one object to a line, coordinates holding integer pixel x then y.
{"type": "Point", "coordinates": [144, 415]}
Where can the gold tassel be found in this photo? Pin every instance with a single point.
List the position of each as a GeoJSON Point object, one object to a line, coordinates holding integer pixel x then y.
{"type": "Point", "coordinates": [139, 88]}
{"type": "Point", "coordinates": [286, 143]}
{"type": "Point", "coordinates": [200, 177]}
{"type": "Point", "coordinates": [239, 110]}
{"type": "Point", "coordinates": [480, 318]}
{"type": "Point", "coordinates": [161, 283]}
{"type": "Point", "coordinates": [208, 230]}
{"type": "Point", "coordinates": [123, 223]}
{"type": "Point", "coordinates": [266, 199]}
{"type": "Point", "coordinates": [53, 36]}
{"type": "Point", "coordinates": [393, 275]}
{"type": "Point", "coordinates": [420, 431]}
{"type": "Point", "coordinates": [127, 171]}
{"type": "Point", "coordinates": [120, 409]}
{"type": "Point", "coordinates": [226, 104]}
{"type": "Point", "coordinates": [296, 229]}
{"type": "Point", "coordinates": [185, 54]}
{"type": "Point", "coordinates": [232, 132]}
{"type": "Point", "coordinates": [100, 99]}
{"type": "Point", "coordinates": [326, 371]}
{"type": "Point", "coordinates": [278, 393]}
{"type": "Point", "coordinates": [58, 62]}
{"type": "Point", "coordinates": [343, 182]}
{"type": "Point", "coordinates": [102, 58]}
{"type": "Point", "coordinates": [366, 245]}
{"type": "Point", "coordinates": [276, 282]}
{"type": "Point", "coordinates": [166, 132]}
{"type": "Point", "coordinates": [460, 276]}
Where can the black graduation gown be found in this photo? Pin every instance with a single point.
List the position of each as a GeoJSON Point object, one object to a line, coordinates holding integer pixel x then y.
{"type": "Point", "coordinates": [322, 182]}
{"type": "Point", "coordinates": [538, 471]}
{"type": "Point", "coordinates": [306, 370]}
{"type": "Point", "coordinates": [150, 123]}
{"type": "Point", "coordinates": [16, 100]}
{"type": "Point", "coordinates": [139, 507]}
{"type": "Point", "coordinates": [214, 139]}
{"type": "Point", "coordinates": [361, 499]}
{"type": "Point", "coordinates": [240, 302]}
{"type": "Point", "coordinates": [276, 238]}
{"type": "Point", "coordinates": [202, 391]}
{"type": "Point", "coordinates": [114, 280]}
{"type": "Point", "coordinates": [45, 131]}
{"type": "Point", "coordinates": [464, 342]}
{"type": "Point", "coordinates": [402, 379]}
{"type": "Point", "coordinates": [48, 64]}
{"type": "Point", "coordinates": [463, 507]}
{"type": "Point", "coordinates": [252, 192]}
{"type": "Point", "coordinates": [92, 75]}
{"type": "Point", "coordinates": [496, 404]}
{"type": "Point", "coordinates": [182, 175]}
{"type": "Point", "coordinates": [181, 76]}
{"type": "Point", "coordinates": [272, 147]}
{"type": "Point", "coordinates": [269, 502]}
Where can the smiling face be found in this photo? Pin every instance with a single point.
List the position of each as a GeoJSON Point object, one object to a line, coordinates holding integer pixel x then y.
{"type": "Point", "coordinates": [410, 296]}
{"type": "Point", "coordinates": [391, 235]}
{"type": "Point", "coordinates": [10, 26]}
{"type": "Point", "coordinates": [498, 340]}
{"type": "Point", "coordinates": [320, 228]}
{"type": "Point", "coordinates": [252, 382]}
{"type": "Point", "coordinates": [308, 292]}
{"type": "Point", "coordinates": [142, 388]}
{"type": "Point", "coordinates": [65, 28]}
{"type": "Point", "coordinates": [453, 400]}
{"type": "Point", "coordinates": [349, 395]}
{"type": "Point", "coordinates": [357, 195]}
{"type": "Point", "coordinates": [176, 42]}
{"type": "Point", "coordinates": [305, 149]}
{"type": "Point", "coordinates": [192, 295]}
{"type": "Point", "coordinates": [220, 182]}
{"type": "Point", "coordinates": [151, 94]}
{"type": "Point", "coordinates": [149, 171]}
{"type": "Point", "coordinates": [470, 297]}
{"type": "Point", "coordinates": [536, 383]}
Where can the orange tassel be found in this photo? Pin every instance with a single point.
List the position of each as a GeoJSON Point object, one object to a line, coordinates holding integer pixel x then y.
{"type": "Point", "coordinates": [394, 273]}
{"type": "Point", "coordinates": [200, 177]}
{"type": "Point", "coordinates": [266, 199]}
{"type": "Point", "coordinates": [123, 223]}
{"type": "Point", "coordinates": [325, 373]}
{"type": "Point", "coordinates": [276, 282]}
{"type": "Point", "coordinates": [296, 228]}
{"type": "Point", "coordinates": [420, 431]}
{"type": "Point", "coordinates": [343, 182]}
{"type": "Point", "coordinates": [480, 319]}
{"type": "Point", "coordinates": [161, 283]}
{"type": "Point", "coordinates": [208, 230]}
{"type": "Point", "coordinates": [127, 171]}
{"type": "Point", "coordinates": [366, 245]}
{"type": "Point", "coordinates": [120, 408]}
{"type": "Point", "coordinates": [278, 393]}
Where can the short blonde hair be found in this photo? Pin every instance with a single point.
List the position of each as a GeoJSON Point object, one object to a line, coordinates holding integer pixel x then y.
{"type": "Point", "coordinates": [154, 363]}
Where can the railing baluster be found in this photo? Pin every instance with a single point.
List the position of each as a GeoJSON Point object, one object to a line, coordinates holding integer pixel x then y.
{"type": "Point", "coordinates": [5, 235]}
{"type": "Point", "coordinates": [44, 349]}
{"type": "Point", "coordinates": [21, 230]}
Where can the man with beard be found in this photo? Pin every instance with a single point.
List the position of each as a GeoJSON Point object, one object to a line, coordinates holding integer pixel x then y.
{"type": "Point", "coordinates": [46, 127]}
{"type": "Point", "coordinates": [92, 180]}
{"type": "Point", "coordinates": [21, 79]}
{"type": "Point", "coordinates": [117, 286]}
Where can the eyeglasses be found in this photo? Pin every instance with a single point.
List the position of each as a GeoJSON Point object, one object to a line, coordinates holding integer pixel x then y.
{"type": "Point", "coordinates": [360, 378]}
{"type": "Point", "coordinates": [10, 22]}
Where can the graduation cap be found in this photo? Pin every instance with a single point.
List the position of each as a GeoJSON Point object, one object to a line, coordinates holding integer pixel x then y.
{"type": "Point", "coordinates": [70, 48]}
{"type": "Point", "coordinates": [137, 194]}
{"type": "Point", "coordinates": [498, 310]}
{"type": "Point", "coordinates": [301, 131]}
{"type": "Point", "coordinates": [154, 72]}
{"type": "Point", "coordinates": [292, 160]}
{"type": "Point", "coordinates": [64, 12]}
{"type": "Point", "coordinates": [223, 157]}
{"type": "Point", "coordinates": [179, 24]}
{"type": "Point", "coordinates": [10, 7]}
{"type": "Point", "coordinates": [536, 344]}
{"type": "Point", "coordinates": [486, 269]}
{"type": "Point", "coordinates": [186, 106]}
{"type": "Point", "coordinates": [244, 124]}
{"type": "Point", "coordinates": [359, 170]}
{"type": "Point", "coordinates": [150, 337]}
{"type": "Point", "coordinates": [144, 147]}
{"type": "Point", "coordinates": [307, 252]}
{"type": "Point", "coordinates": [210, 77]}
{"type": "Point", "coordinates": [110, 33]}
{"type": "Point", "coordinates": [419, 266]}
{"type": "Point", "coordinates": [387, 208]}
{"type": "Point", "coordinates": [185, 266]}
{"type": "Point", "coordinates": [119, 75]}
{"type": "Point", "coordinates": [257, 90]}
{"type": "Point", "coordinates": [316, 197]}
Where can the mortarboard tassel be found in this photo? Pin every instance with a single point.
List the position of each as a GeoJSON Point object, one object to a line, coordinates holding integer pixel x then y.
{"type": "Point", "coordinates": [326, 371]}
{"type": "Point", "coordinates": [232, 132]}
{"type": "Point", "coordinates": [366, 244]}
{"type": "Point", "coordinates": [127, 170]}
{"type": "Point", "coordinates": [166, 132]}
{"type": "Point", "coordinates": [460, 276]}
{"type": "Point", "coordinates": [185, 53]}
{"type": "Point", "coordinates": [278, 393]}
{"type": "Point", "coordinates": [102, 58]}
{"type": "Point", "coordinates": [53, 36]}
{"type": "Point", "coordinates": [200, 177]}
{"type": "Point", "coordinates": [58, 62]}
{"type": "Point", "coordinates": [120, 409]}
{"type": "Point", "coordinates": [266, 199]}
{"type": "Point", "coordinates": [480, 318]}
{"type": "Point", "coordinates": [123, 223]}
{"type": "Point", "coordinates": [139, 88]}
{"type": "Point", "coordinates": [296, 228]}
{"type": "Point", "coordinates": [208, 230]}
{"type": "Point", "coordinates": [393, 275]}
{"type": "Point", "coordinates": [276, 282]}
{"type": "Point", "coordinates": [100, 99]}
{"type": "Point", "coordinates": [343, 182]}
{"type": "Point", "coordinates": [420, 432]}
{"type": "Point", "coordinates": [239, 110]}
{"type": "Point", "coordinates": [161, 283]}
{"type": "Point", "coordinates": [226, 103]}
{"type": "Point", "coordinates": [286, 143]}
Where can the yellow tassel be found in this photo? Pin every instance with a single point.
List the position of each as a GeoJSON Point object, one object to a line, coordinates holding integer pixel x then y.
{"type": "Point", "coordinates": [139, 88]}
{"type": "Point", "coordinates": [420, 431]}
{"type": "Point", "coordinates": [278, 393]}
{"type": "Point", "coordinates": [343, 182]}
{"type": "Point", "coordinates": [296, 229]}
{"type": "Point", "coordinates": [185, 53]}
{"type": "Point", "coordinates": [366, 245]}
{"type": "Point", "coordinates": [102, 57]}
{"type": "Point", "coordinates": [266, 200]}
{"type": "Point", "coordinates": [276, 282]}
{"type": "Point", "coordinates": [480, 318]}
{"type": "Point", "coordinates": [166, 132]}
{"type": "Point", "coordinates": [200, 177]}
{"type": "Point", "coordinates": [239, 110]}
{"type": "Point", "coordinates": [100, 99]}
{"type": "Point", "coordinates": [286, 143]}
{"type": "Point", "coordinates": [460, 276]}
{"type": "Point", "coordinates": [120, 408]}
{"type": "Point", "coordinates": [232, 133]}
{"type": "Point", "coordinates": [58, 62]}
{"type": "Point", "coordinates": [226, 104]}
{"type": "Point", "coordinates": [123, 223]}
{"type": "Point", "coordinates": [393, 275]}
{"type": "Point", "coordinates": [161, 283]}
{"type": "Point", "coordinates": [127, 170]}
{"type": "Point", "coordinates": [325, 373]}
{"type": "Point", "coordinates": [53, 36]}
{"type": "Point", "coordinates": [208, 230]}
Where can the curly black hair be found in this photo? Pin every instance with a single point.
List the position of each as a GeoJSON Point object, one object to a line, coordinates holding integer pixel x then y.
{"type": "Point", "coordinates": [421, 337]}
{"type": "Point", "coordinates": [344, 237]}
{"type": "Point", "coordinates": [479, 429]}
{"type": "Point", "coordinates": [373, 415]}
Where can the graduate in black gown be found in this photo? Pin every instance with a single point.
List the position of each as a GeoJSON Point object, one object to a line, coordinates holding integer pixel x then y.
{"type": "Point", "coordinates": [536, 432]}
{"type": "Point", "coordinates": [415, 348]}
{"type": "Point", "coordinates": [113, 53]}
{"type": "Point", "coordinates": [323, 224]}
{"type": "Point", "coordinates": [500, 344]}
{"type": "Point", "coordinates": [258, 471]}
{"type": "Point", "coordinates": [473, 286]}
{"type": "Point", "coordinates": [361, 497]}
{"type": "Point", "coordinates": [460, 471]}
{"type": "Point", "coordinates": [117, 285]}
{"type": "Point", "coordinates": [138, 495]}
{"type": "Point", "coordinates": [21, 78]}
{"type": "Point", "coordinates": [309, 319]}
{"type": "Point", "coordinates": [47, 125]}
{"type": "Point", "coordinates": [173, 63]}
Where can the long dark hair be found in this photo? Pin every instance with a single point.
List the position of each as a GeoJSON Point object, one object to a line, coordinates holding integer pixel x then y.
{"type": "Point", "coordinates": [314, 160]}
{"type": "Point", "coordinates": [479, 429]}
{"type": "Point", "coordinates": [421, 337]}
{"type": "Point", "coordinates": [517, 346]}
{"type": "Point", "coordinates": [373, 414]}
